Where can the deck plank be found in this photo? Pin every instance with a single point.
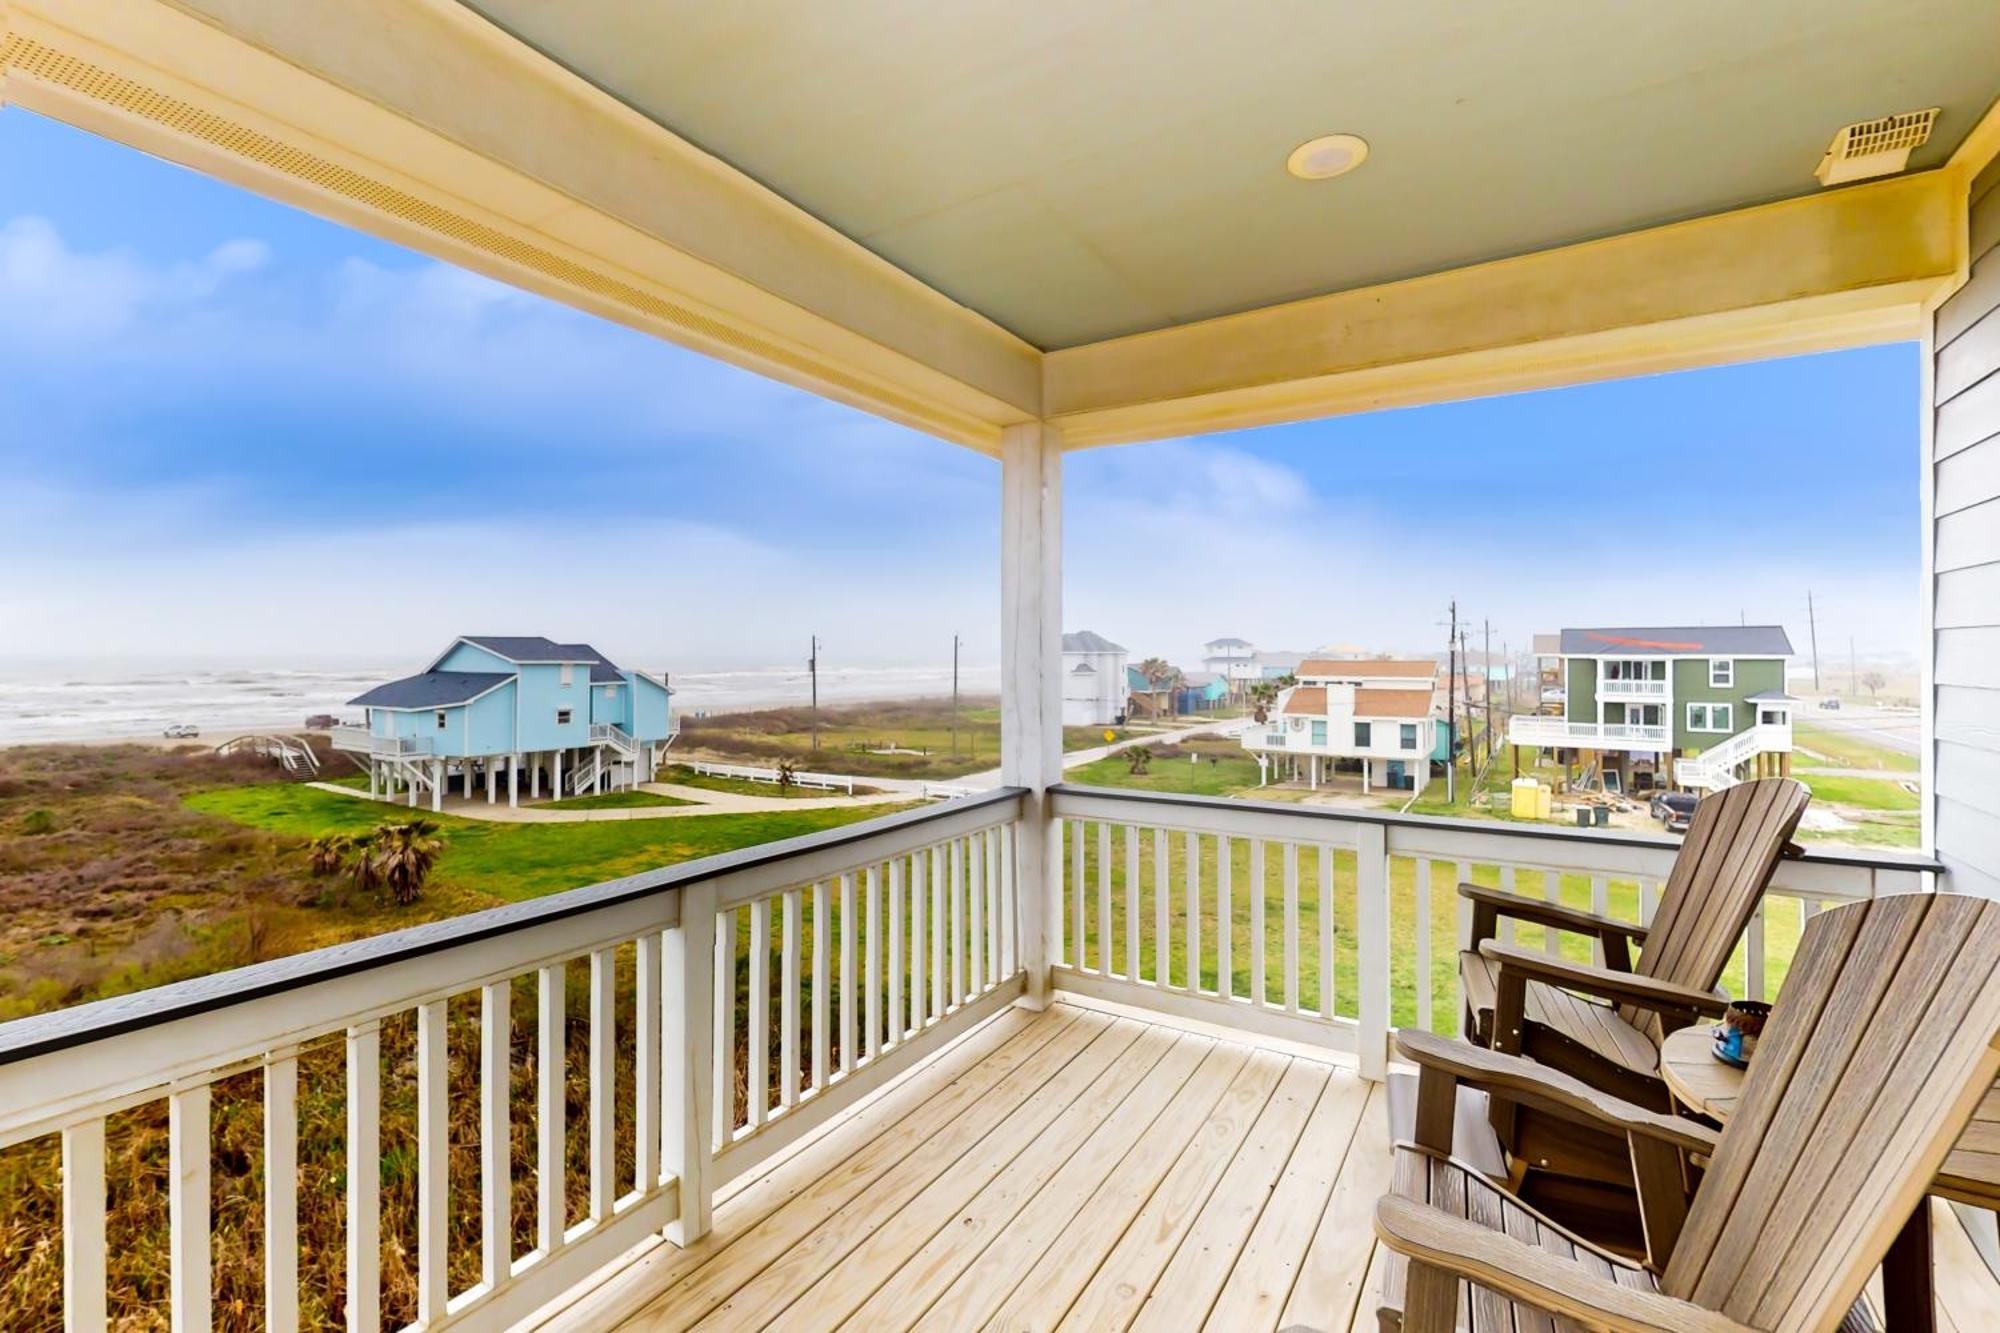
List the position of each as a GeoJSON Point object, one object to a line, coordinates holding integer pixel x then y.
{"type": "Point", "coordinates": [1042, 1179]}
{"type": "Point", "coordinates": [757, 1302]}
{"type": "Point", "coordinates": [997, 1084]}
{"type": "Point", "coordinates": [1260, 1285]}
{"type": "Point", "coordinates": [1330, 1284]}
{"type": "Point", "coordinates": [1091, 1188]}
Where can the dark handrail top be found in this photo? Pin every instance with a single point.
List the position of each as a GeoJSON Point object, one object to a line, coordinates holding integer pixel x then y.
{"type": "Point", "coordinates": [59, 1029]}
{"type": "Point", "coordinates": [1914, 861]}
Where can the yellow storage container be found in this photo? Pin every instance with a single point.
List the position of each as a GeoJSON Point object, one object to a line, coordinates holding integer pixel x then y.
{"type": "Point", "coordinates": [1545, 801]}
{"type": "Point", "coordinates": [1523, 800]}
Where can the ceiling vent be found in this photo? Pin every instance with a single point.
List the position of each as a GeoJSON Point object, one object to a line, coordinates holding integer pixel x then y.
{"type": "Point", "coordinates": [1875, 147]}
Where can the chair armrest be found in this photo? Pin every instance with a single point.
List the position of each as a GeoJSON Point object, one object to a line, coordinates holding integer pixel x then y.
{"type": "Point", "coordinates": [1515, 1078]}
{"type": "Point", "coordinates": [1528, 1273]}
{"type": "Point", "coordinates": [1545, 913]}
{"type": "Point", "coordinates": [1603, 982]}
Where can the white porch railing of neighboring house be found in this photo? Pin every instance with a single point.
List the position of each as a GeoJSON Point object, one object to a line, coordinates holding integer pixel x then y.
{"type": "Point", "coordinates": [608, 733]}
{"type": "Point", "coordinates": [1715, 768]}
{"type": "Point", "coordinates": [584, 773]}
{"type": "Point", "coordinates": [1154, 902]}
{"type": "Point", "coordinates": [1524, 729]}
{"type": "Point", "coordinates": [865, 950]}
{"type": "Point", "coordinates": [1632, 689]}
{"type": "Point", "coordinates": [360, 740]}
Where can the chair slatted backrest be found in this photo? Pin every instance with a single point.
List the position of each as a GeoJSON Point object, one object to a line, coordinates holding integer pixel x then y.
{"type": "Point", "coordinates": [1880, 1048]}
{"type": "Point", "coordinates": [1731, 850]}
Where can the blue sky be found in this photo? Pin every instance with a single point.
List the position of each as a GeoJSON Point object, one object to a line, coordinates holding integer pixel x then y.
{"type": "Point", "coordinates": [240, 431]}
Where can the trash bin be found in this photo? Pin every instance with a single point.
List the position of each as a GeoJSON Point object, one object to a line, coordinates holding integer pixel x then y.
{"type": "Point", "coordinates": [1522, 797]}
{"type": "Point", "coordinates": [1583, 816]}
{"type": "Point", "coordinates": [1603, 816]}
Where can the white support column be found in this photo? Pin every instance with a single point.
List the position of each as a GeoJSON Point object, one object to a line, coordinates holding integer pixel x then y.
{"type": "Point", "coordinates": [555, 775]}
{"type": "Point", "coordinates": [513, 780]}
{"type": "Point", "coordinates": [493, 774]}
{"type": "Point", "coordinates": [437, 785]}
{"type": "Point", "coordinates": [1031, 667]}
{"type": "Point", "coordinates": [535, 776]}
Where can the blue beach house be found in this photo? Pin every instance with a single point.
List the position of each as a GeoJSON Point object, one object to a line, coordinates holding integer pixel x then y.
{"type": "Point", "coordinates": [517, 713]}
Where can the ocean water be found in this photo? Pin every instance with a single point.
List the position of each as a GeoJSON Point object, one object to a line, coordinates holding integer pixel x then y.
{"type": "Point", "coordinates": [92, 701]}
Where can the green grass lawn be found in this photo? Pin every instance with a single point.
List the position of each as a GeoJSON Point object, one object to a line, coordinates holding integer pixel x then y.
{"type": "Point", "coordinates": [1864, 793]}
{"type": "Point", "coordinates": [516, 861]}
{"type": "Point", "coordinates": [620, 800]}
{"type": "Point", "coordinates": [1844, 749]}
{"type": "Point", "coordinates": [1225, 775]}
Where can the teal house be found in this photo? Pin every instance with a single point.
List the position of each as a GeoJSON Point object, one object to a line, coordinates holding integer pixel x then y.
{"type": "Point", "coordinates": [513, 714]}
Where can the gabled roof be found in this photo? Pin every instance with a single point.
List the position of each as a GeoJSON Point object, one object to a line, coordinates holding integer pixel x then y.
{"type": "Point", "coordinates": [432, 689]}
{"type": "Point", "coordinates": [1089, 641]}
{"type": "Point", "coordinates": [1305, 701]}
{"type": "Point", "coordinates": [1368, 668]}
{"type": "Point", "coordinates": [1084, 669]}
{"type": "Point", "coordinates": [1772, 697]}
{"type": "Point", "coordinates": [1680, 641]}
{"type": "Point", "coordinates": [529, 648]}
{"type": "Point", "coordinates": [1392, 703]}
{"type": "Point", "coordinates": [1227, 643]}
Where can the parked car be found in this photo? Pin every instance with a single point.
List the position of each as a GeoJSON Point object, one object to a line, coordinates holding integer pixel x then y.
{"type": "Point", "coordinates": [1674, 809]}
{"type": "Point", "coordinates": [1831, 704]}
{"type": "Point", "coordinates": [321, 722]}
{"type": "Point", "coordinates": [181, 731]}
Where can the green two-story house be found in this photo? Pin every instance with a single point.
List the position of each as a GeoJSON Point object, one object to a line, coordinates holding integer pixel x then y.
{"type": "Point", "coordinates": [1699, 707]}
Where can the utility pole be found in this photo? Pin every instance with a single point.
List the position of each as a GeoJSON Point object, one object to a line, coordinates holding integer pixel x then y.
{"type": "Point", "coordinates": [812, 666]}
{"type": "Point", "coordinates": [1853, 670]}
{"type": "Point", "coordinates": [1812, 623]}
{"type": "Point", "coordinates": [1486, 666]}
{"type": "Point", "coordinates": [954, 696]}
{"type": "Point", "coordinates": [1450, 711]}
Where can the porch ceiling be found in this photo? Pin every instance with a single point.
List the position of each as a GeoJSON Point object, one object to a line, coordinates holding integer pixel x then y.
{"type": "Point", "coordinates": [1083, 172]}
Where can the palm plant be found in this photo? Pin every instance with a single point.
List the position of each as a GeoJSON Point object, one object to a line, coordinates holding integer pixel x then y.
{"type": "Point", "coordinates": [788, 774]}
{"type": "Point", "coordinates": [403, 857]}
{"type": "Point", "coordinates": [328, 853]}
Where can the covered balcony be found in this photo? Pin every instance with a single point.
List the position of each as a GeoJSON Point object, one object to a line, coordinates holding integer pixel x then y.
{"type": "Point", "coordinates": [1045, 1056]}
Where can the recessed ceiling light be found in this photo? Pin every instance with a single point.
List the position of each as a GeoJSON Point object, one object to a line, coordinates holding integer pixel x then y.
{"type": "Point", "coordinates": [1327, 156]}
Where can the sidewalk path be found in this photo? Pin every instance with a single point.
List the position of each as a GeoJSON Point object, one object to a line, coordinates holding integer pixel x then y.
{"type": "Point", "coordinates": [1077, 758]}
{"type": "Point", "coordinates": [709, 803]}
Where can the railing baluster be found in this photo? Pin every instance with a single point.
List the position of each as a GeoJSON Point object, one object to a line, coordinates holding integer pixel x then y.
{"type": "Point", "coordinates": [1326, 967]}
{"type": "Point", "coordinates": [1423, 960]}
{"type": "Point", "coordinates": [551, 1060]}
{"type": "Point", "coordinates": [647, 1107]}
{"type": "Point", "coordinates": [1507, 922]}
{"type": "Point", "coordinates": [723, 1006]}
{"type": "Point", "coordinates": [1163, 968]}
{"type": "Point", "coordinates": [1292, 927]}
{"type": "Point", "coordinates": [433, 1163]}
{"type": "Point", "coordinates": [603, 1081]}
{"type": "Point", "coordinates": [1258, 993]}
{"type": "Point", "coordinates": [975, 893]}
{"type": "Point", "coordinates": [990, 840]}
{"type": "Point", "coordinates": [1010, 903]}
{"type": "Point", "coordinates": [364, 1182]}
{"type": "Point", "coordinates": [281, 1193]}
{"type": "Point", "coordinates": [84, 1306]}
{"type": "Point", "coordinates": [940, 1002]}
{"type": "Point", "coordinates": [1600, 903]}
{"type": "Point", "coordinates": [496, 1141]}
{"type": "Point", "coordinates": [1552, 892]}
{"type": "Point", "coordinates": [872, 1008]}
{"type": "Point", "coordinates": [188, 1212]}
{"type": "Point", "coordinates": [1464, 917]}
{"type": "Point", "coordinates": [1371, 926]}
{"type": "Point", "coordinates": [1104, 899]}
{"type": "Point", "coordinates": [1753, 961]}
{"type": "Point", "coordinates": [1193, 871]}
{"type": "Point", "coordinates": [920, 940]}
{"type": "Point", "coordinates": [1225, 914]}
{"type": "Point", "coordinates": [760, 1011]}
{"type": "Point", "coordinates": [821, 1043]}
{"type": "Point", "coordinates": [788, 1000]}
{"type": "Point", "coordinates": [1131, 903]}
{"type": "Point", "coordinates": [955, 938]}
{"type": "Point", "coordinates": [895, 1008]}
{"type": "Point", "coordinates": [1078, 889]}
{"type": "Point", "coordinates": [689, 1015]}
{"type": "Point", "coordinates": [848, 1022]}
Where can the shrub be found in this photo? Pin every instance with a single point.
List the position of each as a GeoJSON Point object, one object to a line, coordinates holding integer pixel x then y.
{"type": "Point", "coordinates": [38, 821]}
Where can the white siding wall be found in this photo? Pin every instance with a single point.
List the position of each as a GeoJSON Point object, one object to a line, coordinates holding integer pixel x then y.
{"type": "Point", "coordinates": [1965, 564]}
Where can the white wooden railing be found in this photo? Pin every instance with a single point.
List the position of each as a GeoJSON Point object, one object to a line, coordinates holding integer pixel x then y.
{"type": "Point", "coordinates": [1526, 729]}
{"type": "Point", "coordinates": [748, 773]}
{"type": "Point", "coordinates": [363, 741]}
{"type": "Point", "coordinates": [1715, 768]}
{"type": "Point", "coordinates": [1333, 927]}
{"type": "Point", "coordinates": [854, 953]}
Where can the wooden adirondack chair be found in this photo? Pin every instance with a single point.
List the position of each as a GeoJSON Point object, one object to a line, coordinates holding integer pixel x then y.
{"type": "Point", "coordinates": [1604, 1024]}
{"type": "Point", "coordinates": [1882, 1044]}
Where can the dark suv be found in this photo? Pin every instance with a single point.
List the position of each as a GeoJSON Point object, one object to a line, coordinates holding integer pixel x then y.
{"type": "Point", "coordinates": [1674, 809]}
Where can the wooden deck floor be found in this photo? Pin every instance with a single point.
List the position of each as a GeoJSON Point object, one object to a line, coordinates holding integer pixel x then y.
{"type": "Point", "coordinates": [1071, 1170]}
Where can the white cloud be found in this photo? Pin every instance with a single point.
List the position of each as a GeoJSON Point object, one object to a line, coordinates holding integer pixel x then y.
{"type": "Point", "coordinates": [49, 291]}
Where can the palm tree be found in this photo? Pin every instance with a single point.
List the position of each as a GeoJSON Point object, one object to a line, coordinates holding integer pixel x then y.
{"type": "Point", "coordinates": [788, 775]}
{"type": "Point", "coordinates": [361, 867]}
{"type": "Point", "coordinates": [1263, 694]}
{"type": "Point", "coordinates": [404, 855]}
{"type": "Point", "coordinates": [1160, 676]}
{"type": "Point", "coordinates": [328, 853]}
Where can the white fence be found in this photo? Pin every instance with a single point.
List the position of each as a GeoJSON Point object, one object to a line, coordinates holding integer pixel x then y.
{"type": "Point", "coordinates": [745, 773]}
{"type": "Point", "coordinates": [891, 938]}
{"type": "Point", "coordinates": [1333, 926]}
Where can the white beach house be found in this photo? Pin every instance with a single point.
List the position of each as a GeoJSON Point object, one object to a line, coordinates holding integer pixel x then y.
{"type": "Point", "coordinates": [1379, 716]}
{"type": "Point", "coordinates": [1096, 692]}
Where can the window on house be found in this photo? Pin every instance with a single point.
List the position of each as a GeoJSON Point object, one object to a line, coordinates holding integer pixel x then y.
{"type": "Point", "coordinates": [1364, 735]}
{"type": "Point", "coordinates": [1319, 733]}
{"type": "Point", "coordinates": [1721, 672]}
{"type": "Point", "coordinates": [1710, 717]}
{"type": "Point", "coordinates": [568, 675]}
{"type": "Point", "coordinates": [1409, 735]}
{"type": "Point", "coordinates": [441, 716]}
{"type": "Point", "coordinates": [562, 717]}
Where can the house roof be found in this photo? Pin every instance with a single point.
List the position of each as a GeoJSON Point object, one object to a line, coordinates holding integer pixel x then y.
{"type": "Point", "coordinates": [1392, 703]}
{"type": "Point", "coordinates": [431, 689]}
{"type": "Point", "coordinates": [1680, 641]}
{"type": "Point", "coordinates": [1089, 641]}
{"type": "Point", "coordinates": [1227, 643]}
{"type": "Point", "coordinates": [1368, 668]}
{"type": "Point", "coordinates": [1772, 697]}
{"type": "Point", "coordinates": [1285, 661]}
{"type": "Point", "coordinates": [1306, 700]}
{"type": "Point", "coordinates": [530, 648]}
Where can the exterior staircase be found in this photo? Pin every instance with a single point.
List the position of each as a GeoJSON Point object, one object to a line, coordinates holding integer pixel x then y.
{"type": "Point", "coordinates": [584, 775]}
{"type": "Point", "coordinates": [1714, 769]}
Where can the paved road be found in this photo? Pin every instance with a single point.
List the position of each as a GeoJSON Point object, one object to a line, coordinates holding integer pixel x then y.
{"type": "Point", "coordinates": [1077, 758]}
{"type": "Point", "coordinates": [711, 803]}
{"type": "Point", "coordinates": [1897, 729]}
